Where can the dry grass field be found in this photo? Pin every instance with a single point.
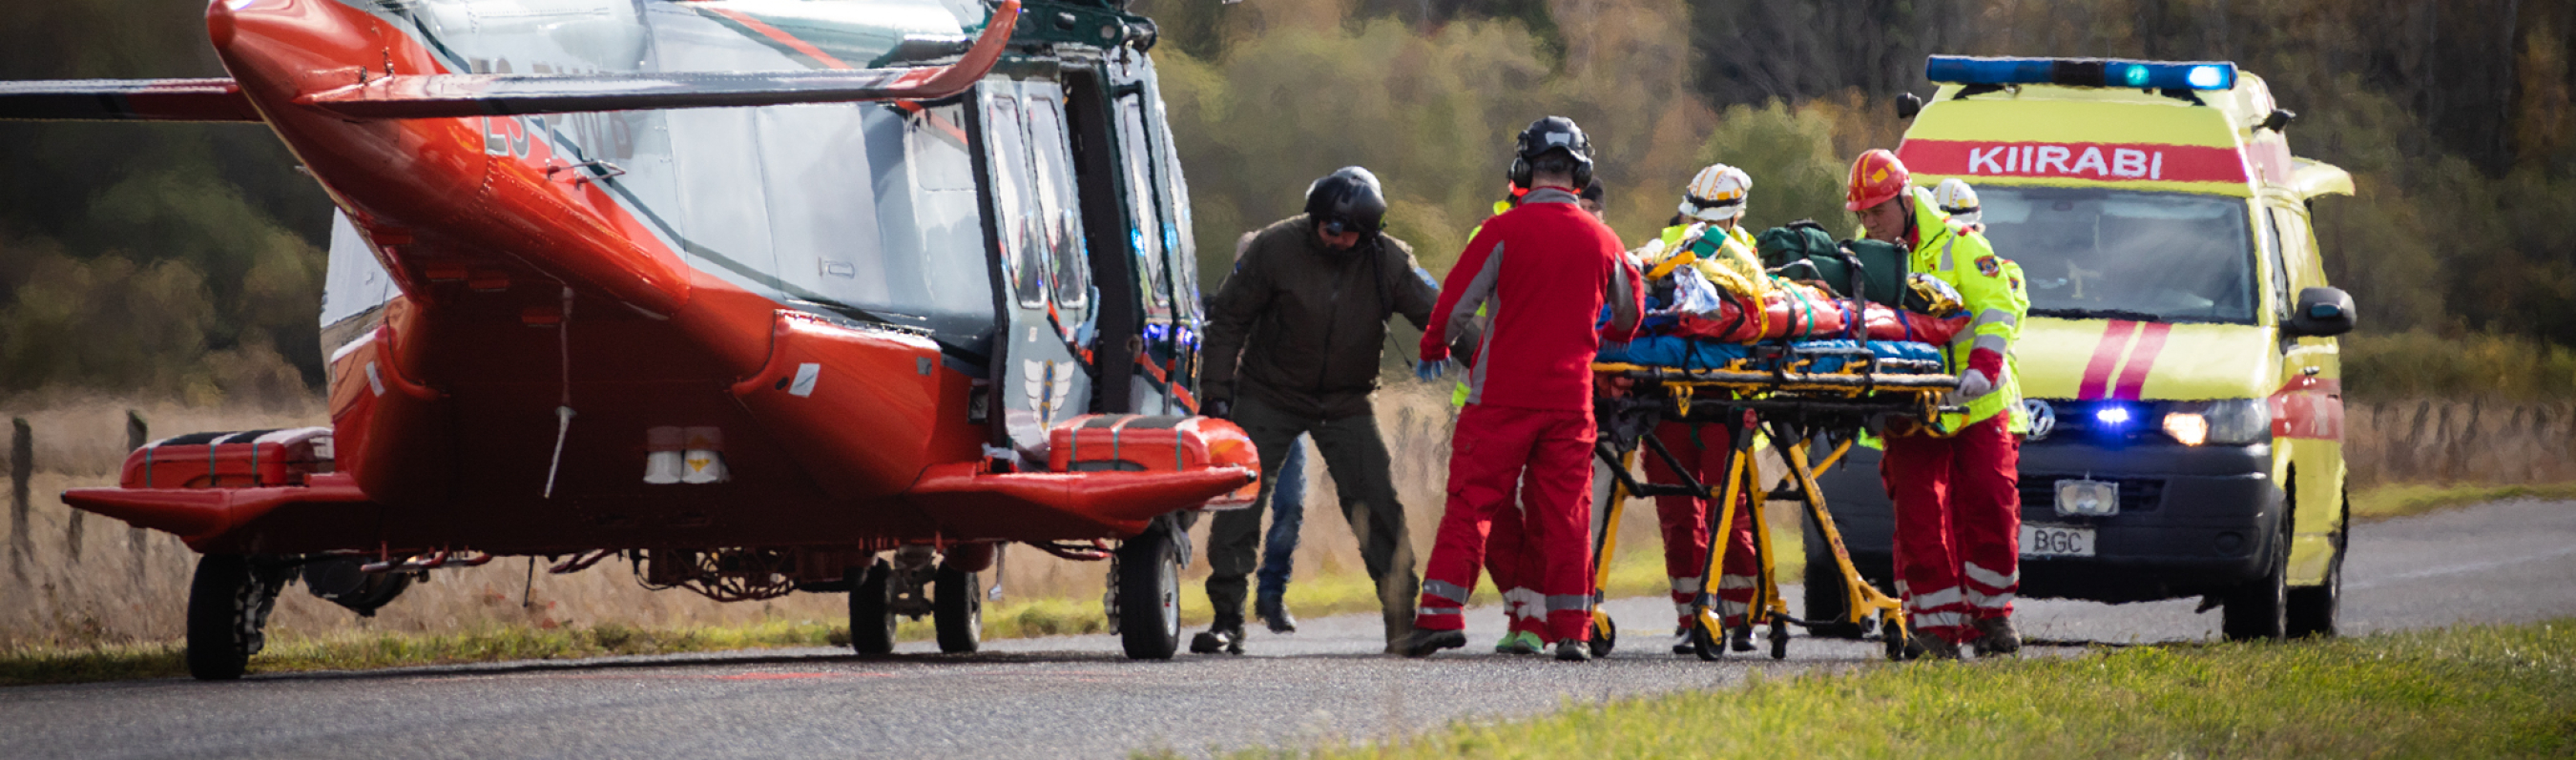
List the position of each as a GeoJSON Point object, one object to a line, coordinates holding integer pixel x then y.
{"type": "Point", "coordinates": [110, 584]}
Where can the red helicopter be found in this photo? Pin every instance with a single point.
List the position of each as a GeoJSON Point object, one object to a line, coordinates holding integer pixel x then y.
{"type": "Point", "coordinates": [764, 296]}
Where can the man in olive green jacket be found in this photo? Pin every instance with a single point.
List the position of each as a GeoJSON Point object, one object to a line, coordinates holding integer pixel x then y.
{"type": "Point", "coordinates": [1293, 344]}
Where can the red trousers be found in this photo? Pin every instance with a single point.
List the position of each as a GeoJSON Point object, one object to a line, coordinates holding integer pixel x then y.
{"type": "Point", "coordinates": [1494, 448]}
{"type": "Point", "coordinates": [1686, 523]}
{"type": "Point", "coordinates": [1958, 525]}
{"type": "Point", "coordinates": [1513, 566]}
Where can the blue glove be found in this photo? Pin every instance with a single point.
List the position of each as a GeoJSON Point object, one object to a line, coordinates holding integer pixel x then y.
{"type": "Point", "coordinates": [1428, 371]}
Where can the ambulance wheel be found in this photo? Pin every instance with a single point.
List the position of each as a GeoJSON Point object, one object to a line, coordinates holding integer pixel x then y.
{"type": "Point", "coordinates": [872, 609]}
{"type": "Point", "coordinates": [1779, 638]}
{"type": "Point", "coordinates": [228, 605]}
{"type": "Point", "coordinates": [2259, 609]}
{"type": "Point", "coordinates": [1149, 596]}
{"type": "Point", "coordinates": [1605, 636]}
{"type": "Point", "coordinates": [1705, 642]}
{"type": "Point", "coordinates": [957, 610]}
{"type": "Point", "coordinates": [2313, 609]}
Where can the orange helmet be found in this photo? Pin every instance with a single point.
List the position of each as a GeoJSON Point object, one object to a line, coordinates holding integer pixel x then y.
{"type": "Point", "coordinates": [1875, 177]}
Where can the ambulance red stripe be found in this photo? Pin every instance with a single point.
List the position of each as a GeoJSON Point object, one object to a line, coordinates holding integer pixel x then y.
{"type": "Point", "coordinates": [2142, 359]}
{"type": "Point", "coordinates": [2106, 356]}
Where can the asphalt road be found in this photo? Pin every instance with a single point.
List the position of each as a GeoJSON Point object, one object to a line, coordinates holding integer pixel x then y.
{"type": "Point", "coordinates": [1074, 696]}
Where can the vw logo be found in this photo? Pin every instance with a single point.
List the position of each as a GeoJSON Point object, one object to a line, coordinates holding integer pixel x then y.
{"type": "Point", "coordinates": [2043, 418]}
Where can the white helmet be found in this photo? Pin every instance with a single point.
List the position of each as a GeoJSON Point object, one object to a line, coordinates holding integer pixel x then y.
{"type": "Point", "coordinates": [1716, 194]}
{"type": "Point", "coordinates": [1958, 200]}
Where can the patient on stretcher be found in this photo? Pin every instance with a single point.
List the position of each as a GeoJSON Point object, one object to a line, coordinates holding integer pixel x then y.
{"type": "Point", "coordinates": [1697, 322]}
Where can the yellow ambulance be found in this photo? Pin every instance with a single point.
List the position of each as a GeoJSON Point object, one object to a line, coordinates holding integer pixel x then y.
{"type": "Point", "coordinates": [2179, 362]}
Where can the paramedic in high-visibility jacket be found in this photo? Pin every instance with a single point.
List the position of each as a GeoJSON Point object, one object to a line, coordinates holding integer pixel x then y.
{"type": "Point", "coordinates": [1955, 482]}
{"type": "Point", "coordinates": [1544, 270]}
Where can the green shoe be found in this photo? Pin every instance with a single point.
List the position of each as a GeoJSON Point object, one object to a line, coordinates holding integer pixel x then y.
{"type": "Point", "coordinates": [1520, 642]}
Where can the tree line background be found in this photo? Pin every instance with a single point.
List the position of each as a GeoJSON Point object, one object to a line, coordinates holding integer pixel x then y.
{"type": "Point", "coordinates": [186, 259]}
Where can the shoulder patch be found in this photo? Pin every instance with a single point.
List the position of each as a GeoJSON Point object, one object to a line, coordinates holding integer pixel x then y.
{"type": "Point", "coordinates": [1987, 265]}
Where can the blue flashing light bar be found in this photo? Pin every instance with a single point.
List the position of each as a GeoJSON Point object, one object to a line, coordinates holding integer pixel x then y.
{"type": "Point", "coordinates": [2082, 72]}
{"type": "Point", "coordinates": [2112, 415]}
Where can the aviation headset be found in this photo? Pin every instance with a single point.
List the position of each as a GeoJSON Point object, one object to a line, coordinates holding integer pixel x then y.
{"type": "Point", "coordinates": [1548, 134]}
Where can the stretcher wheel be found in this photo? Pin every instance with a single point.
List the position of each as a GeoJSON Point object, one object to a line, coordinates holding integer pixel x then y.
{"type": "Point", "coordinates": [1893, 635]}
{"type": "Point", "coordinates": [1779, 638]}
{"type": "Point", "coordinates": [1705, 642]}
{"type": "Point", "coordinates": [1605, 636]}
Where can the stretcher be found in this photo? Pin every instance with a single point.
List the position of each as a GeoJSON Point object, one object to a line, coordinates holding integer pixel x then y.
{"type": "Point", "coordinates": [1799, 395]}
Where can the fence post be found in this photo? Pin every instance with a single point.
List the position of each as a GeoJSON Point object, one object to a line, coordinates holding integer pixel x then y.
{"type": "Point", "coordinates": [22, 465]}
{"type": "Point", "coordinates": [136, 434]}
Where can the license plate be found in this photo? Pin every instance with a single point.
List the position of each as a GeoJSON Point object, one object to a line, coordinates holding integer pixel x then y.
{"type": "Point", "coordinates": [2038, 540]}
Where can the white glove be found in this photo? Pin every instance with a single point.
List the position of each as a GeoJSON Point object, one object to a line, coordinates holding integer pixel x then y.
{"type": "Point", "coordinates": [1973, 384]}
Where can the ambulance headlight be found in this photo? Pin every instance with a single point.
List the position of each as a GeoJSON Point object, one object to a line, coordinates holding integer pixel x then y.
{"type": "Point", "coordinates": [2190, 428]}
{"type": "Point", "coordinates": [2231, 422]}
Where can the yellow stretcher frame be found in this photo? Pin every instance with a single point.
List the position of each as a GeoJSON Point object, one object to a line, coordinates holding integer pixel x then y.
{"type": "Point", "coordinates": [1733, 386]}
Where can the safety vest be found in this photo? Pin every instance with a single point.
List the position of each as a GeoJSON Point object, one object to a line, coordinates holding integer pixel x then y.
{"type": "Point", "coordinates": [1725, 257]}
{"type": "Point", "coordinates": [1997, 302]}
{"type": "Point", "coordinates": [1458, 395]}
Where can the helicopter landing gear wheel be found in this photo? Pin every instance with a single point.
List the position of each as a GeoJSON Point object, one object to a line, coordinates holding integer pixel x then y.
{"type": "Point", "coordinates": [1149, 595]}
{"type": "Point", "coordinates": [228, 605]}
{"type": "Point", "coordinates": [872, 609]}
{"type": "Point", "coordinates": [957, 610]}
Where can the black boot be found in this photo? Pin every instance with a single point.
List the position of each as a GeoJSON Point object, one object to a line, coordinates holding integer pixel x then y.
{"type": "Point", "coordinates": [1425, 641]}
{"type": "Point", "coordinates": [1226, 635]}
{"type": "Point", "coordinates": [1740, 638]}
{"type": "Point", "coordinates": [1995, 635]}
{"type": "Point", "coordinates": [1274, 611]}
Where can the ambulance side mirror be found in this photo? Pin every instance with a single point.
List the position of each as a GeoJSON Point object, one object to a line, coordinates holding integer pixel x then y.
{"type": "Point", "coordinates": [2321, 312]}
{"type": "Point", "coordinates": [2278, 119]}
{"type": "Point", "coordinates": [1907, 105]}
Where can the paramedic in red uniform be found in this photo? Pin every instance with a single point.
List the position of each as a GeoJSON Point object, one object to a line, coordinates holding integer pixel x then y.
{"type": "Point", "coordinates": [1714, 203]}
{"type": "Point", "coordinates": [1958, 498]}
{"type": "Point", "coordinates": [1543, 271]}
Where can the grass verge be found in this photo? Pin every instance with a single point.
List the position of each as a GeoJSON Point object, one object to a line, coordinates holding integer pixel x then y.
{"type": "Point", "coordinates": [2408, 499]}
{"type": "Point", "coordinates": [2471, 691]}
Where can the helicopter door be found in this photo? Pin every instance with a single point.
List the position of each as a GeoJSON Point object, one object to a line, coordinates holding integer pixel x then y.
{"type": "Point", "coordinates": [1143, 179]}
{"type": "Point", "coordinates": [1180, 244]}
{"type": "Point", "coordinates": [1046, 373]}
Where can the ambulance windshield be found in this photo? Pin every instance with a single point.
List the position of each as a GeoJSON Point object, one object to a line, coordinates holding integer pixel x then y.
{"type": "Point", "coordinates": [2122, 254]}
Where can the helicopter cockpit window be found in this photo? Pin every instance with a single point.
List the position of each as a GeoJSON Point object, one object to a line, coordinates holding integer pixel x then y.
{"type": "Point", "coordinates": [1015, 216]}
{"type": "Point", "coordinates": [1048, 152]}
